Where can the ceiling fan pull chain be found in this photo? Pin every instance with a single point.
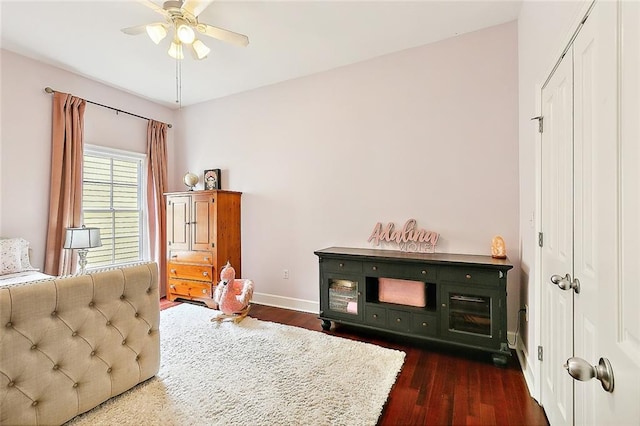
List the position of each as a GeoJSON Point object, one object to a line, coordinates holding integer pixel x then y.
{"type": "Point", "coordinates": [178, 83]}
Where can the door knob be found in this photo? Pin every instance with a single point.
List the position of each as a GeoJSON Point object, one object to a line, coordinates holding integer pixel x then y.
{"type": "Point", "coordinates": [565, 283]}
{"type": "Point", "coordinates": [581, 370]}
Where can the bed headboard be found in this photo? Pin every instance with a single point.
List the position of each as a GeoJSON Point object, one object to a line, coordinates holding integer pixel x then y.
{"type": "Point", "coordinates": [69, 344]}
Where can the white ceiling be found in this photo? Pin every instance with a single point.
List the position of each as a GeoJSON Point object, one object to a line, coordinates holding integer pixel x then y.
{"type": "Point", "coordinates": [288, 39]}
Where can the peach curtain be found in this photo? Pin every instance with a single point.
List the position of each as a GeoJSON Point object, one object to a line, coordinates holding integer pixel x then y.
{"type": "Point", "coordinates": [156, 187]}
{"type": "Point", "coordinates": [65, 196]}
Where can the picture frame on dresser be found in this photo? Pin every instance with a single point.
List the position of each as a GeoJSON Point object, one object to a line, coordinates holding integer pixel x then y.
{"type": "Point", "coordinates": [212, 179]}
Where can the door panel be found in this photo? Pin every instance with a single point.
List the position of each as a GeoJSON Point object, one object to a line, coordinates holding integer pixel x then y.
{"type": "Point", "coordinates": [595, 195]}
{"type": "Point", "coordinates": [200, 227]}
{"type": "Point", "coordinates": [619, 291]}
{"type": "Point", "coordinates": [629, 285]}
{"type": "Point", "coordinates": [557, 251]}
{"type": "Point", "coordinates": [178, 214]}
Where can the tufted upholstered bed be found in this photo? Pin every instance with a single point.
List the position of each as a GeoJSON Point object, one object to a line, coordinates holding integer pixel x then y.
{"type": "Point", "coordinates": [69, 344]}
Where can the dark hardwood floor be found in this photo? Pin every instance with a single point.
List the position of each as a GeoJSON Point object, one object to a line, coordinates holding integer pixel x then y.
{"type": "Point", "coordinates": [438, 385]}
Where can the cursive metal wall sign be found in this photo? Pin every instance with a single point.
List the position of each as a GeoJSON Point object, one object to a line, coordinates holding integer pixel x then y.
{"type": "Point", "coordinates": [409, 238]}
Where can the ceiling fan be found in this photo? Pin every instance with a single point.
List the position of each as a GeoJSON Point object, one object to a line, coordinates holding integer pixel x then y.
{"type": "Point", "coordinates": [182, 18]}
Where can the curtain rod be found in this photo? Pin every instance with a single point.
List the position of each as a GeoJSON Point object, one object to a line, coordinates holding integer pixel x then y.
{"type": "Point", "coordinates": [50, 91]}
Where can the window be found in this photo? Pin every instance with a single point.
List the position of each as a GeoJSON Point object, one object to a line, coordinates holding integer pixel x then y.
{"type": "Point", "coordinates": [112, 200]}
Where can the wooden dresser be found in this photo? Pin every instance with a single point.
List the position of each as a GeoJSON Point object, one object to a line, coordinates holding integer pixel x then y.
{"type": "Point", "coordinates": [203, 233]}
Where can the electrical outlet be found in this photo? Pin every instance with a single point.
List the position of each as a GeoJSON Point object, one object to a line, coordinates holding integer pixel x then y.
{"type": "Point", "coordinates": [285, 274]}
{"type": "Point", "coordinates": [526, 313]}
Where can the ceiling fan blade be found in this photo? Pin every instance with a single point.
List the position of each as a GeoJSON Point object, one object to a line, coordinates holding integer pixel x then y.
{"type": "Point", "coordinates": [195, 7]}
{"type": "Point", "coordinates": [224, 35]}
{"type": "Point", "coordinates": [138, 29]}
{"type": "Point", "coordinates": [151, 5]}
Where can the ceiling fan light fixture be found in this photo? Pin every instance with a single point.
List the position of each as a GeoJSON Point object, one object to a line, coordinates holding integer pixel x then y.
{"type": "Point", "coordinates": [185, 34]}
{"type": "Point", "coordinates": [175, 50]}
{"type": "Point", "coordinates": [200, 49]}
{"type": "Point", "coordinates": [156, 32]}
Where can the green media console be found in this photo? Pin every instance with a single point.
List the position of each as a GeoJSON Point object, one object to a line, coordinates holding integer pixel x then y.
{"type": "Point", "coordinates": [446, 298]}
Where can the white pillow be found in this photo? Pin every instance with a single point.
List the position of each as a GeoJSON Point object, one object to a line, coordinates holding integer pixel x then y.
{"type": "Point", "coordinates": [10, 257]}
{"type": "Point", "coordinates": [22, 247]}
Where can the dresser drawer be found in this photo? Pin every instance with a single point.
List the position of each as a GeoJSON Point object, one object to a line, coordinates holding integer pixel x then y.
{"type": "Point", "coordinates": [190, 272]}
{"type": "Point", "coordinates": [399, 320]}
{"type": "Point", "coordinates": [419, 272]}
{"type": "Point", "coordinates": [470, 275]}
{"type": "Point", "coordinates": [381, 269]}
{"type": "Point", "coordinates": [341, 265]}
{"type": "Point", "coordinates": [424, 324]}
{"type": "Point", "coordinates": [203, 257]}
{"type": "Point", "coordinates": [189, 288]}
{"type": "Point", "coordinates": [375, 315]}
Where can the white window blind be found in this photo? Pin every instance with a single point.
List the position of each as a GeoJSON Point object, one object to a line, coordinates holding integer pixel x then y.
{"type": "Point", "coordinates": [112, 200]}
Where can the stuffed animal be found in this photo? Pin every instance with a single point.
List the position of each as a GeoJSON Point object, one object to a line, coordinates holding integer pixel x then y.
{"type": "Point", "coordinates": [232, 295]}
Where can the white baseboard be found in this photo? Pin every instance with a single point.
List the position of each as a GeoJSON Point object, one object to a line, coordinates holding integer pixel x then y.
{"type": "Point", "coordinates": [527, 369]}
{"type": "Point", "coordinates": [286, 302]}
{"type": "Point", "coordinates": [511, 337]}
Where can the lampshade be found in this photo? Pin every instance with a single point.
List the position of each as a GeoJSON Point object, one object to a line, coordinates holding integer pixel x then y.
{"type": "Point", "coordinates": [82, 238]}
{"type": "Point", "coordinates": [156, 32]}
{"type": "Point", "coordinates": [200, 49]}
{"type": "Point", "coordinates": [185, 34]}
{"type": "Point", "coordinates": [175, 50]}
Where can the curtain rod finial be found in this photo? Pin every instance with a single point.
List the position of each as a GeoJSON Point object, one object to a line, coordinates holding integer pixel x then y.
{"type": "Point", "coordinates": [48, 89]}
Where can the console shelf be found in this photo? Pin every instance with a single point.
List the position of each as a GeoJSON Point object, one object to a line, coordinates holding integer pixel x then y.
{"type": "Point", "coordinates": [446, 298]}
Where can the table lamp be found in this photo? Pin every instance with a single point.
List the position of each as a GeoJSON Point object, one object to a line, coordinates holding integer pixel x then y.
{"type": "Point", "coordinates": [82, 239]}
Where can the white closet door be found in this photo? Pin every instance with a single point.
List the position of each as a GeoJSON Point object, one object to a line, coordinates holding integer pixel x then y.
{"type": "Point", "coordinates": [609, 307]}
{"type": "Point", "coordinates": [597, 168]}
{"type": "Point", "coordinates": [606, 232]}
{"type": "Point", "coordinates": [595, 174]}
{"type": "Point", "coordinates": [557, 250]}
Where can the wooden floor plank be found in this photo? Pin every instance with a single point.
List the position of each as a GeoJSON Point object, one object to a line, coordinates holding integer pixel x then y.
{"type": "Point", "coordinates": [437, 385]}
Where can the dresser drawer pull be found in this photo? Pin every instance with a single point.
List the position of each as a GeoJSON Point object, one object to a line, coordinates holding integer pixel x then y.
{"type": "Point", "coordinates": [375, 316]}
{"type": "Point", "coordinates": [398, 319]}
{"type": "Point", "coordinates": [359, 293]}
{"type": "Point", "coordinates": [424, 324]}
{"type": "Point", "coordinates": [173, 271]}
{"type": "Point", "coordinates": [204, 291]}
{"type": "Point", "coordinates": [424, 272]}
{"type": "Point", "coordinates": [375, 268]}
{"type": "Point", "coordinates": [173, 256]}
{"type": "Point", "coordinates": [172, 287]}
{"type": "Point", "coordinates": [341, 265]}
{"type": "Point", "coordinates": [205, 273]}
{"type": "Point", "coordinates": [468, 276]}
{"type": "Point", "coordinates": [206, 258]}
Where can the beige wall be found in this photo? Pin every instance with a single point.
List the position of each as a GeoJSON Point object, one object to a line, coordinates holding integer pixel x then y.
{"type": "Point", "coordinates": [25, 143]}
{"type": "Point", "coordinates": [428, 133]}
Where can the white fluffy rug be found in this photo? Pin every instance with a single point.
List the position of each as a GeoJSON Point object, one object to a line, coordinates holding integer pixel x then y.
{"type": "Point", "coordinates": [254, 373]}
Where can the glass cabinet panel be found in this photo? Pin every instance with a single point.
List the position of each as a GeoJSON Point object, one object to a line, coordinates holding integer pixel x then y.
{"type": "Point", "coordinates": [343, 296]}
{"type": "Point", "coordinates": [470, 313]}
{"type": "Point", "coordinates": [473, 315]}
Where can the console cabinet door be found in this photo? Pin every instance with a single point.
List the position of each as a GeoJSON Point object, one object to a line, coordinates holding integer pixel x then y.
{"type": "Point", "coordinates": [341, 296]}
{"type": "Point", "coordinates": [472, 315]}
